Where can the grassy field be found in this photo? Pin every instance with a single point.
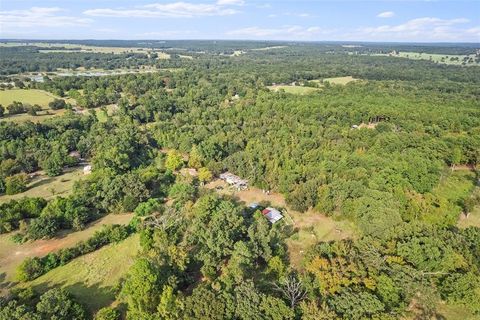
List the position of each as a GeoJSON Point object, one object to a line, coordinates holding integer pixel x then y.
{"type": "Point", "coordinates": [336, 80]}
{"type": "Point", "coordinates": [93, 275]}
{"type": "Point", "coordinates": [340, 80]}
{"type": "Point", "coordinates": [12, 254]}
{"type": "Point", "coordinates": [49, 187]}
{"type": "Point", "coordinates": [456, 185]}
{"type": "Point", "coordinates": [452, 312]}
{"type": "Point", "coordinates": [31, 96]}
{"type": "Point", "coordinates": [293, 89]}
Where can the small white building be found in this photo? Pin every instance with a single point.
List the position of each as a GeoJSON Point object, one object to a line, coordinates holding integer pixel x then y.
{"type": "Point", "coordinates": [87, 169]}
{"type": "Point", "coordinates": [272, 214]}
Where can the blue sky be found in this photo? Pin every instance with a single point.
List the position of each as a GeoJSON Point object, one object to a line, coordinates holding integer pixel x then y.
{"type": "Point", "coordinates": [312, 20]}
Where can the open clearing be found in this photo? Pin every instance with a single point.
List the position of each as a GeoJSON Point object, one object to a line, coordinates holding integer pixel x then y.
{"type": "Point", "coordinates": [293, 89]}
{"type": "Point", "coordinates": [337, 80]}
{"type": "Point", "coordinates": [454, 312]}
{"type": "Point", "coordinates": [12, 254]}
{"type": "Point", "coordinates": [30, 96]}
{"type": "Point", "coordinates": [309, 228]}
{"type": "Point", "coordinates": [47, 187]}
{"type": "Point", "coordinates": [93, 275]}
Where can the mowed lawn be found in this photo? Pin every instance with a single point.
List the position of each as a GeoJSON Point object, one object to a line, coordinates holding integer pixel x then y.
{"type": "Point", "coordinates": [47, 187]}
{"type": "Point", "coordinates": [93, 275]}
{"type": "Point", "coordinates": [12, 254]}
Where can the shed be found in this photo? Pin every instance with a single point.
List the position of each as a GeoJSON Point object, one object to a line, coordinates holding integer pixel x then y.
{"type": "Point", "coordinates": [87, 169]}
{"type": "Point", "coordinates": [272, 214]}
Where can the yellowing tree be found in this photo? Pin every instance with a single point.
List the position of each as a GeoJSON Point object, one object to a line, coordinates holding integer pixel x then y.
{"type": "Point", "coordinates": [174, 160]}
{"type": "Point", "coordinates": [204, 175]}
{"type": "Point", "coordinates": [195, 158]}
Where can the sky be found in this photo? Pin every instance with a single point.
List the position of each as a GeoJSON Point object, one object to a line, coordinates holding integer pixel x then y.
{"type": "Point", "coordinates": [302, 20]}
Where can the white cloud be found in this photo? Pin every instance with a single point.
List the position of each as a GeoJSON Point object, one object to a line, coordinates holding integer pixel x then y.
{"type": "Point", "coordinates": [170, 10]}
{"type": "Point", "coordinates": [285, 32]}
{"type": "Point", "coordinates": [230, 2]}
{"type": "Point", "coordinates": [420, 29]}
{"type": "Point", "coordinates": [38, 17]}
{"type": "Point", "coordinates": [386, 14]}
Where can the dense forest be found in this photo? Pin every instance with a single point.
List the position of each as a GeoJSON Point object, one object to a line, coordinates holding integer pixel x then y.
{"type": "Point", "coordinates": [371, 152]}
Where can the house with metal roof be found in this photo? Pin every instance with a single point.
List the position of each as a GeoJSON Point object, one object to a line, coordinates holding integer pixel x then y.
{"type": "Point", "coordinates": [272, 214]}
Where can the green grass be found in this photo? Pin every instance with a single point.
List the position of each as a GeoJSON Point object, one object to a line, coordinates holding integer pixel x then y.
{"type": "Point", "coordinates": [31, 96]}
{"type": "Point", "coordinates": [340, 80]}
{"type": "Point", "coordinates": [313, 227]}
{"type": "Point", "coordinates": [473, 219]}
{"type": "Point", "coordinates": [49, 187]}
{"type": "Point", "coordinates": [294, 89]}
{"type": "Point", "coordinates": [456, 186]}
{"type": "Point", "coordinates": [91, 279]}
{"type": "Point", "coordinates": [12, 254]}
{"type": "Point", "coordinates": [336, 80]}
{"type": "Point", "coordinates": [452, 312]}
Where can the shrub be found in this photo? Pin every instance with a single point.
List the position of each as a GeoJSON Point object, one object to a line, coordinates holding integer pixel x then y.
{"type": "Point", "coordinates": [107, 313]}
{"type": "Point", "coordinates": [43, 227]}
{"type": "Point", "coordinates": [57, 104]}
{"type": "Point", "coordinates": [16, 183]}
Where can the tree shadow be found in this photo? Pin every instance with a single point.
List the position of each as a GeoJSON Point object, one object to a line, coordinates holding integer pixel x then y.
{"type": "Point", "coordinates": [92, 297]}
{"type": "Point", "coordinates": [40, 183]}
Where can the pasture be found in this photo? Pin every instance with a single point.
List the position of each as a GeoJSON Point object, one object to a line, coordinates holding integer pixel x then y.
{"type": "Point", "coordinates": [30, 96]}
{"type": "Point", "coordinates": [92, 278]}
{"type": "Point", "coordinates": [12, 254]}
{"type": "Point", "coordinates": [340, 80]}
{"type": "Point", "coordinates": [49, 187]}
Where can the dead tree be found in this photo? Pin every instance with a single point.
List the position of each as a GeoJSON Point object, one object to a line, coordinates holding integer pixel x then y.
{"type": "Point", "coordinates": [293, 290]}
{"type": "Point", "coordinates": [164, 221]}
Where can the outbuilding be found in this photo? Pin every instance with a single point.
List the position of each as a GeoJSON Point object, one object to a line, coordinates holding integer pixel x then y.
{"type": "Point", "coordinates": [272, 214]}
